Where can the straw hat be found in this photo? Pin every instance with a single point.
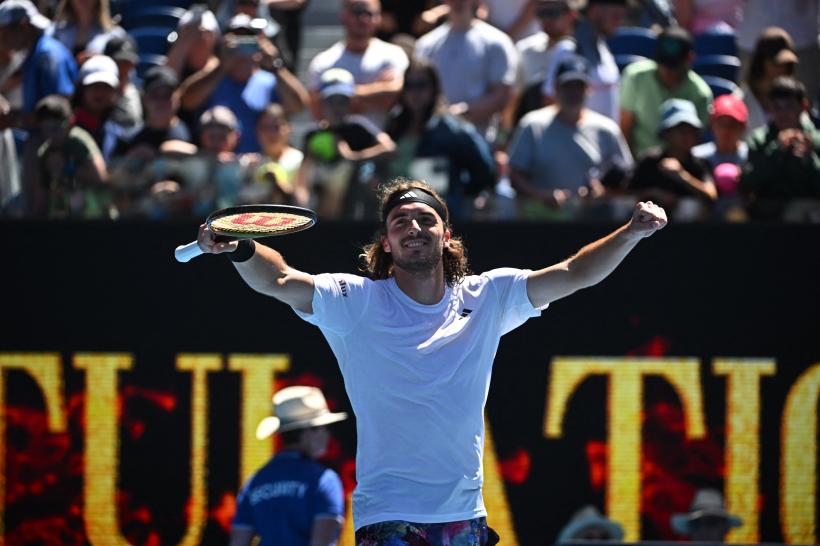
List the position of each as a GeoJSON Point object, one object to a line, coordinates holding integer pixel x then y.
{"type": "Point", "coordinates": [296, 408]}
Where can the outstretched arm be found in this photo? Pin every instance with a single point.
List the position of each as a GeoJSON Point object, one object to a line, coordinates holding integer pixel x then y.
{"type": "Point", "coordinates": [596, 260]}
{"type": "Point", "coordinates": [266, 272]}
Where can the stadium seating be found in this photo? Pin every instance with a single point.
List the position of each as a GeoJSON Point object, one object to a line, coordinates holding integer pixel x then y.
{"type": "Point", "coordinates": [722, 66]}
{"type": "Point", "coordinates": [151, 40]}
{"type": "Point", "coordinates": [151, 16]}
{"type": "Point", "coordinates": [624, 60]}
{"type": "Point", "coordinates": [716, 42]}
{"type": "Point", "coordinates": [721, 86]}
{"type": "Point", "coordinates": [633, 41]}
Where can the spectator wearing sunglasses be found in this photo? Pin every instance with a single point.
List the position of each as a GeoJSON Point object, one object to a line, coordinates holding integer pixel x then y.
{"type": "Point", "coordinates": [377, 67]}
{"type": "Point", "coordinates": [601, 21]}
{"type": "Point", "coordinates": [435, 146]}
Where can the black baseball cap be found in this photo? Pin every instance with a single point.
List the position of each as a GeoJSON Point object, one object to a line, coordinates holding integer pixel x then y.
{"type": "Point", "coordinates": [673, 47]}
{"type": "Point", "coordinates": [122, 48]}
{"type": "Point", "coordinates": [160, 76]}
{"type": "Point", "coordinates": [572, 68]}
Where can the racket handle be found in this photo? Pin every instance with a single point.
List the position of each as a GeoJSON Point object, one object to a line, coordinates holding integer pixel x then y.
{"type": "Point", "coordinates": [185, 253]}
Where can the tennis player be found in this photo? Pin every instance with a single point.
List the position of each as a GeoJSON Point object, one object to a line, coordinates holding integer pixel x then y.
{"type": "Point", "coordinates": [415, 340]}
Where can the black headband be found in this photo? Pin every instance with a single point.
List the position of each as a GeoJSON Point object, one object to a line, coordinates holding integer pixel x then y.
{"type": "Point", "coordinates": [414, 195]}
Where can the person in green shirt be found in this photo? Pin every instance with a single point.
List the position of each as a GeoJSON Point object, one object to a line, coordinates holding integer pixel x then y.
{"type": "Point", "coordinates": [67, 175]}
{"type": "Point", "coordinates": [645, 85]}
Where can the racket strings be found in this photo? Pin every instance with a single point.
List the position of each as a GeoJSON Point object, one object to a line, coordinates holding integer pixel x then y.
{"type": "Point", "coordinates": [260, 222]}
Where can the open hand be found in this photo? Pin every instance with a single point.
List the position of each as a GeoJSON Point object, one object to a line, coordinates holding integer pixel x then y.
{"type": "Point", "coordinates": [647, 218]}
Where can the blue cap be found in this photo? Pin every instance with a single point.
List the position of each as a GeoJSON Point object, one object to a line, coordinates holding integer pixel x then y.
{"type": "Point", "coordinates": [677, 111]}
{"type": "Point", "coordinates": [572, 68]}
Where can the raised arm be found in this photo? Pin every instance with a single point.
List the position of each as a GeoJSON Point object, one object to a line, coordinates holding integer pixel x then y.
{"type": "Point", "coordinates": [266, 271]}
{"type": "Point", "coordinates": [596, 260]}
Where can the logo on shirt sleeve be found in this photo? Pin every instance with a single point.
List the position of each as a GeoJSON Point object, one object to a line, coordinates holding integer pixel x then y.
{"type": "Point", "coordinates": [343, 287]}
{"type": "Point", "coordinates": [465, 313]}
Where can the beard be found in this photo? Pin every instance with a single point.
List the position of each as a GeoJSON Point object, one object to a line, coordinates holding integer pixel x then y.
{"type": "Point", "coordinates": [419, 264]}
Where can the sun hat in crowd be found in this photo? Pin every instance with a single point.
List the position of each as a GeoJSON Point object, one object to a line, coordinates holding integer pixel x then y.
{"type": "Point", "coordinates": [707, 503]}
{"type": "Point", "coordinates": [297, 408]}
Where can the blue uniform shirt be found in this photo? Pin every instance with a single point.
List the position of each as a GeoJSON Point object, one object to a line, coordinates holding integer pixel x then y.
{"type": "Point", "coordinates": [283, 498]}
{"type": "Point", "coordinates": [246, 100]}
{"type": "Point", "coordinates": [49, 69]}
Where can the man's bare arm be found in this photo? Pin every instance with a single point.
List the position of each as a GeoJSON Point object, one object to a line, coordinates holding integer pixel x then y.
{"type": "Point", "coordinates": [595, 261]}
{"type": "Point", "coordinates": [266, 272]}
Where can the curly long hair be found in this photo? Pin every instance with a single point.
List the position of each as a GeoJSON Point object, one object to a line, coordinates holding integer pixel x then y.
{"type": "Point", "coordinates": [378, 264]}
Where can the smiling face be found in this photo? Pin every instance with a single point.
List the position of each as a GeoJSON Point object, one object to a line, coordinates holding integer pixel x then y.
{"type": "Point", "coordinates": [415, 237]}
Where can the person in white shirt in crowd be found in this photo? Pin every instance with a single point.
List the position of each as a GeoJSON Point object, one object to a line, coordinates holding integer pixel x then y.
{"type": "Point", "coordinates": [557, 18]}
{"type": "Point", "coordinates": [560, 152]}
{"type": "Point", "coordinates": [515, 17]}
{"type": "Point", "coordinates": [601, 21]}
{"type": "Point", "coordinates": [377, 66]}
{"type": "Point", "coordinates": [477, 63]}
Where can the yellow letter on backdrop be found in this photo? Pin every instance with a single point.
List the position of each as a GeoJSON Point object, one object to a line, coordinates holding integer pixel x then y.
{"type": "Point", "coordinates": [46, 371]}
{"type": "Point", "coordinates": [258, 375]}
{"type": "Point", "coordinates": [624, 418]}
{"type": "Point", "coordinates": [798, 463]}
{"type": "Point", "coordinates": [743, 441]}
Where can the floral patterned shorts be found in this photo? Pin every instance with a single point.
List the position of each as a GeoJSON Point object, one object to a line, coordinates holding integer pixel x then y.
{"type": "Point", "coordinates": [473, 532]}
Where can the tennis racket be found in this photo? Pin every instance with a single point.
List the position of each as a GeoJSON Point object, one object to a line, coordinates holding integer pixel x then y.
{"type": "Point", "coordinates": [251, 222]}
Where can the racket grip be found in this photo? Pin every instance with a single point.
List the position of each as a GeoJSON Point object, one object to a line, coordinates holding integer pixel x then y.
{"type": "Point", "coordinates": [185, 253]}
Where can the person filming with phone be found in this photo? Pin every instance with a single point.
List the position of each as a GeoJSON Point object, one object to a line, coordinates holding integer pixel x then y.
{"type": "Point", "coordinates": [249, 76]}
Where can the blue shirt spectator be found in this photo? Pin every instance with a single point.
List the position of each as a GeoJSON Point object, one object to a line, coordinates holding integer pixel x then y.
{"type": "Point", "coordinates": [50, 69]}
{"type": "Point", "coordinates": [247, 100]}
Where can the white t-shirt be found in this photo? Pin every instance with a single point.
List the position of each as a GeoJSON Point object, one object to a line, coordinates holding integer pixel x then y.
{"type": "Point", "coordinates": [503, 13]}
{"type": "Point", "coordinates": [417, 377]}
{"type": "Point", "coordinates": [533, 58]}
{"type": "Point", "coordinates": [604, 78]}
{"type": "Point", "coordinates": [470, 61]}
{"type": "Point", "coordinates": [365, 67]}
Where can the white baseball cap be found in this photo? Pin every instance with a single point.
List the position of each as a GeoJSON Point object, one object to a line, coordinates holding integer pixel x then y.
{"type": "Point", "coordinates": [337, 81]}
{"type": "Point", "coordinates": [99, 69]}
{"type": "Point", "coordinates": [13, 12]}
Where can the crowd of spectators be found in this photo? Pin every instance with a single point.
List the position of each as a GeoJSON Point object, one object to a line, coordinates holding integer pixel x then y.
{"type": "Point", "coordinates": [536, 110]}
